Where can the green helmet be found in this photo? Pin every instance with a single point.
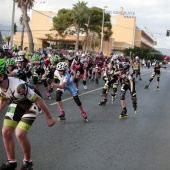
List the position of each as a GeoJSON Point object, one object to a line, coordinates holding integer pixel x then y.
{"type": "Point", "coordinates": [10, 61]}
{"type": "Point", "coordinates": [53, 58]}
{"type": "Point", "coordinates": [35, 57]}
{"type": "Point", "coordinates": [2, 66]}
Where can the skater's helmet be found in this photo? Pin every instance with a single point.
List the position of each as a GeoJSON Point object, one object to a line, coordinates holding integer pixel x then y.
{"type": "Point", "coordinates": [156, 62]}
{"type": "Point", "coordinates": [119, 66]}
{"type": "Point", "coordinates": [62, 66]}
{"type": "Point", "coordinates": [2, 66]}
{"type": "Point", "coordinates": [21, 53]}
{"type": "Point", "coordinates": [19, 59]}
{"type": "Point", "coordinates": [53, 58]}
{"type": "Point", "coordinates": [10, 62]}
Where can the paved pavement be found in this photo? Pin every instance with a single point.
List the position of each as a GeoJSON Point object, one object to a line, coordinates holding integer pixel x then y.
{"type": "Point", "coordinates": [141, 142]}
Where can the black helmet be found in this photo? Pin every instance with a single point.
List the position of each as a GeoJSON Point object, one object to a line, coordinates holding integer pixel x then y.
{"type": "Point", "coordinates": [119, 66]}
{"type": "Point", "coordinates": [156, 62]}
{"type": "Point", "coordinates": [126, 67]}
{"type": "Point", "coordinates": [60, 55]}
{"type": "Point", "coordinates": [77, 58]}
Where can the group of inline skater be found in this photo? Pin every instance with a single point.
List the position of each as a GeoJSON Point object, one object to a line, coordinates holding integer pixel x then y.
{"type": "Point", "coordinates": [19, 88]}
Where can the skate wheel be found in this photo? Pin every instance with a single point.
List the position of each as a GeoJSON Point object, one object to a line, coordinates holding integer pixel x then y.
{"type": "Point", "coordinates": [61, 119]}
{"type": "Point", "coordinates": [86, 120]}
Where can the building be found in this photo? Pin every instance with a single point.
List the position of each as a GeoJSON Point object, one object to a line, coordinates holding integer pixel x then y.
{"type": "Point", "coordinates": [125, 34]}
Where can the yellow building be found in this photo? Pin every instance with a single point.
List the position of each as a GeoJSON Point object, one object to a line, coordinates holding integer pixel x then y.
{"type": "Point", "coordinates": [125, 34]}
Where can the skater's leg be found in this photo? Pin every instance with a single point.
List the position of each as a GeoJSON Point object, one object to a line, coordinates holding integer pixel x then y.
{"type": "Point", "coordinates": [21, 136]}
{"type": "Point", "coordinates": [7, 134]}
{"type": "Point", "coordinates": [58, 100]}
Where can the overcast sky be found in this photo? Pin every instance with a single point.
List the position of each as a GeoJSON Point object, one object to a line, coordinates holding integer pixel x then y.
{"type": "Point", "coordinates": [154, 15]}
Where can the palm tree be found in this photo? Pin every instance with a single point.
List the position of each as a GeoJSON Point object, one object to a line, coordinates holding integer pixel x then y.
{"type": "Point", "coordinates": [25, 5]}
{"type": "Point", "coordinates": [23, 27]}
{"type": "Point", "coordinates": [81, 15]}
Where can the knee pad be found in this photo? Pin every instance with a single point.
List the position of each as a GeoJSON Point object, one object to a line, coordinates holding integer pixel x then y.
{"type": "Point", "coordinates": [122, 95]}
{"type": "Point", "coordinates": [158, 78]}
{"type": "Point", "coordinates": [58, 95]}
{"type": "Point", "coordinates": [76, 80]}
{"type": "Point", "coordinates": [77, 100]}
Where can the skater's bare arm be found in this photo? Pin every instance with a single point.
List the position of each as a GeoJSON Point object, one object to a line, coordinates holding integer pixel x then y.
{"type": "Point", "coordinates": [41, 104]}
{"type": "Point", "coordinates": [3, 103]}
{"type": "Point", "coordinates": [60, 86]}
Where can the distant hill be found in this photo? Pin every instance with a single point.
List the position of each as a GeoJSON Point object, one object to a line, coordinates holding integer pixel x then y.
{"type": "Point", "coordinates": [165, 51]}
{"type": "Point", "coordinates": [5, 30]}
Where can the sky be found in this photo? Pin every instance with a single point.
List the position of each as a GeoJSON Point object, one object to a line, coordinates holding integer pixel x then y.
{"type": "Point", "coordinates": [152, 16]}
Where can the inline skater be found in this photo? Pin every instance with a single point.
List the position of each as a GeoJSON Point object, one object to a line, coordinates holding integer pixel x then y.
{"type": "Point", "coordinates": [65, 82]}
{"type": "Point", "coordinates": [126, 84]}
{"type": "Point", "coordinates": [99, 62]}
{"type": "Point", "coordinates": [22, 112]}
{"type": "Point", "coordinates": [136, 69]}
{"type": "Point", "coordinates": [77, 72]}
{"type": "Point", "coordinates": [155, 72]}
{"type": "Point", "coordinates": [110, 82]}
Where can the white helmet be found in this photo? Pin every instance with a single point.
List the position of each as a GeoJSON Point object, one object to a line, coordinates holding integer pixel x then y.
{"type": "Point", "coordinates": [62, 66]}
{"type": "Point", "coordinates": [18, 59]}
{"type": "Point", "coordinates": [115, 57]}
{"type": "Point", "coordinates": [78, 53]}
{"type": "Point", "coordinates": [83, 55]}
{"type": "Point", "coordinates": [5, 47]}
{"type": "Point", "coordinates": [21, 53]}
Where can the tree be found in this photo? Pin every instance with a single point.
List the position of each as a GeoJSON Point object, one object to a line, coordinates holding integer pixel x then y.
{"type": "Point", "coordinates": [25, 5]}
{"type": "Point", "coordinates": [143, 53]}
{"type": "Point", "coordinates": [89, 20]}
{"type": "Point", "coordinates": [15, 28]}
{"type": "Point", "coordinates": [8, 39]}
{"type": "Point", "coordinates": [81, 15]}
{"type": "Point", "coordinates": [23, 28]}
{"type": "Point", "coordinates": [63, 21]}
{"type": "Point", "coordinates": [95, 25]}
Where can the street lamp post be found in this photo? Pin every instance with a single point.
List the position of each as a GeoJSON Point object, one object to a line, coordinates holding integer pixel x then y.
{"type": "Point", "coordinates": [12, 24]}
{"type": "Point", "coordinates": [101, 43]}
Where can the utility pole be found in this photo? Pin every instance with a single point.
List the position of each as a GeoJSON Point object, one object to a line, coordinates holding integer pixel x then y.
{"type": "Point", "coordinates": [12, 24]}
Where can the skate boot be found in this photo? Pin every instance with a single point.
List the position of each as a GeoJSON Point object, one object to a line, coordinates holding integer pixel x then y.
{"type": "Point", "coordinates": [61, 117]}
{"type": "Point", "coordinates": [157, 88]}
{"type": "Point", "coordinates": [48, 95]}
{"type": "Point", "coordinates": [27, 165]}
{"type": "Point", "coordinates": [97, 81]}
{"type": "Point", "coordinates": [113, 97]}
{"type": "Point", "coordinates": [140, 79]}
{"type": "Point", "coordinates": [135, 107]}
{"type": "Point", "coordinates": [123, 114]}
{"type": "Point", "coordinates": [8, 166]}
{"type": "Point", "coordinates": [103, 102]}
{"type": "Point", "coordinates": [85, 87]}
{"type": "Point", "coordinates": [84, 116]}
{"type": "Point", "coordinates": [146, 86]}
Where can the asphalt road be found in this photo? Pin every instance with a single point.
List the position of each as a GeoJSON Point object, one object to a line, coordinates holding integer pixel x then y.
{"type": "Point", "coordinates": [141, 142]}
